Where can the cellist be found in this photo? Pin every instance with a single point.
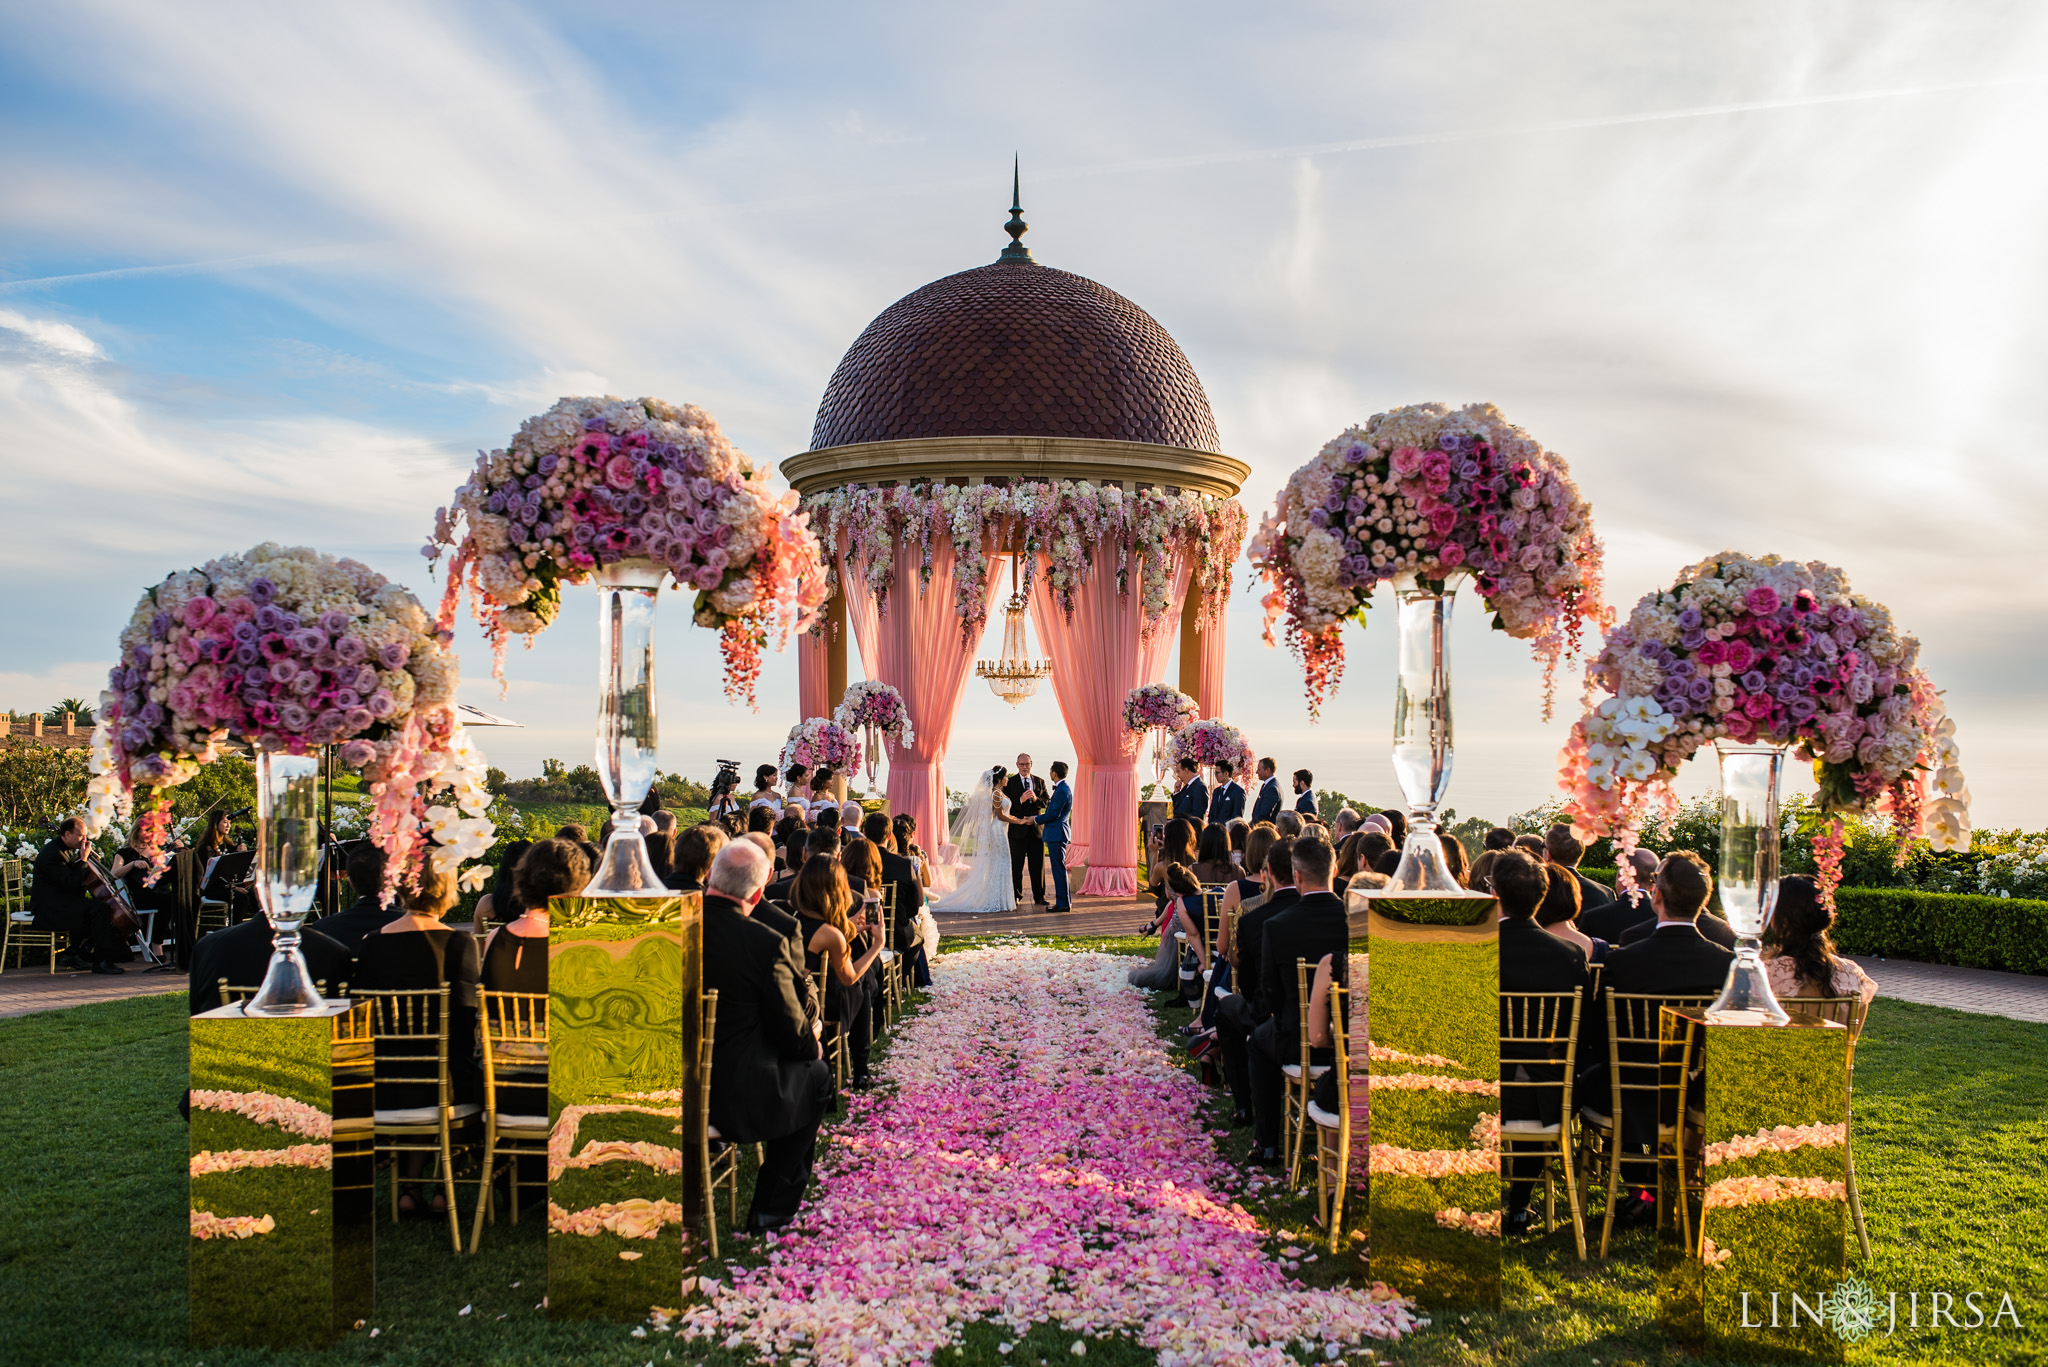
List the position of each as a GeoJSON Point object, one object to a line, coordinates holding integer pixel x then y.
{"type": "Point", "coordinates": [59, 901]}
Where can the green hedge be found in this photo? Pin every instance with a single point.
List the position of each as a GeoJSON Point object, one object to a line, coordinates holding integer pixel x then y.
{"type": "Point", "coordinates": [2007, 933]}
{"type": "Point", "coordinates": [1604, 877]}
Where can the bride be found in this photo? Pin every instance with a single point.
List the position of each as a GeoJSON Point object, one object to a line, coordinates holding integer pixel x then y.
{"type": "Point", "coordinates": [981, 831]}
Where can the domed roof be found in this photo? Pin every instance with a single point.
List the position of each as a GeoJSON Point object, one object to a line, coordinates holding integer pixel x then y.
{"type": "Point", "coordinates": [1015, 349]}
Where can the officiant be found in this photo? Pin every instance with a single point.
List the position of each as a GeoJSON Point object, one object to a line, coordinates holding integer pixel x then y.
{"type": "Point", "coordinates": [1026, 792]}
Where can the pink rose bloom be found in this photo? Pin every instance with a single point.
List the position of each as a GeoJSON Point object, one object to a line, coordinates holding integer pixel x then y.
{"type": "Point", "coordinates": [1710, 653]}
{"type": "Point", "coordinates": [1738, 655]}
{"type": "Point", "coordinates": [199, 612]}
{"type": "Point", "coordinates": [1450, 553]}
{"type": "Point", "coordinates": [1740, 728]}
{"type": "Point", "coordinates": [1406, 460]}
{"type": "Point", "coordinates": [1443, 520]}
{"type": "Point", "coordinates": [618, 472]}
{"type": "Point", "coordinates": [1757, 705]}
{"type": "Point", "coordinates": [1763, 600]}
{"type": "Point", "coordinates": [357, 753]}
{"type": "Point", "coordinates": [188, 650]}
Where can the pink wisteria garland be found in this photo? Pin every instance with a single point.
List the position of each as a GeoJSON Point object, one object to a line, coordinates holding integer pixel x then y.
{"type": "Point", "coordinates": [1079, 527]}
{"type": "Point", "coordinates": [1038, 1159]}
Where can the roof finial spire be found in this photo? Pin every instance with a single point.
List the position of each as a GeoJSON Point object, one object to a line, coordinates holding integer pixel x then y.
{"type": "Point", "coordinates": [1016, 227]}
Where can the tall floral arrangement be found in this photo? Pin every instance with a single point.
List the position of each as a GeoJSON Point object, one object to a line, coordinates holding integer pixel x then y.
{"type": "Point", "coordinates": [874, 703]}
{"type": "Point", "coordinates": [597, 480]}
{"type": "Point", "coordinates": [1763, 649]}
{"type": "Point", "coordinates": [1213, 742]}
{"type": "Point", "coordinates": [1432, 492]}
{"type": "Point", "coordinates": [289, 649]}
{"type": "Point", "coordinates": [1156, 705]}
{"type": "Point", "coordinates": [820, 741]}
{"type": "Point", "coordinates": [1078, 527]}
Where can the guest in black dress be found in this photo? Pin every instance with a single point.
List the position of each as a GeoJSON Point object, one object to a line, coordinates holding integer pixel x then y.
{"type": "Point", "coordinates": [846, 949]}
{"type": "Point", "coordinates": [417, 951]}
{"type": "Point", "coordinates": [515, 958]}
{"type": "Point", "coordinates": [500, 905]}
{"type": "Point", "coordinates": [1241, 890]}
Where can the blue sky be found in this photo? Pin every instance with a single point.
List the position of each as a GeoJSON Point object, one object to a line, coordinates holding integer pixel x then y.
{"type": "Point", "coordinates": [1770, 276]}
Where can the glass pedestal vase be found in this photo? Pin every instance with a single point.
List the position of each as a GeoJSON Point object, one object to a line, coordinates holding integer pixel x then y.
{"type": "Point", "coordinates": [874, 757]}
{"type": "Point", "coordinates": [626, 747]}
{"type": "Point", "coordinates": [1749, 879]}
{"type": "Point", "coordinates": [1422, 737]}
{"type": "Point", "coordinates": [287, 877]}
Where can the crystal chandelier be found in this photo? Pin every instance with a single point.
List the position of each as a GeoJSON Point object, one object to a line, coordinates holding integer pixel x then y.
{"type": "Point", "coordinates": [1015, 676]}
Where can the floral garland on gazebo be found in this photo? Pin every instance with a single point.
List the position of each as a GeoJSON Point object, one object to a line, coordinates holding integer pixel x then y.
{"type": "Point", "coordinates": [1077, 525]}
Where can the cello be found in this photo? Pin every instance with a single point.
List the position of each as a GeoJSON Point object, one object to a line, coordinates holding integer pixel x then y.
{"type": "Point", "coordinates": [105, 889]}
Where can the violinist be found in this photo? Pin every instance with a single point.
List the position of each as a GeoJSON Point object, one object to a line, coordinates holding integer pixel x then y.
{"type": "Point", "coordinates": [59, 901]}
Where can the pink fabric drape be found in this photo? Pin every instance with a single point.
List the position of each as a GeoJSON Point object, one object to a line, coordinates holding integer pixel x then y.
{"type": "Point", "coordinates": [813, 677]}
{"type": "Point", "coordinates": [917, 647]}
{"type": "Point", "coordinates": [1209, 691]}
{"type": "Point", "coordinates": [1099, 656]}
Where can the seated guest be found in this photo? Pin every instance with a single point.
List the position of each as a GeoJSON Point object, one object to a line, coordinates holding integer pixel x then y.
{"type": "Point", "coordinates": [769, 1085]}
{"type": "Point", "coordinates": [417, 951]}
{"type": "Point", "coordinates": [1563, 849]}
{"type": "Point", "coordinates": [863, 865]}
{"type": "Point", "coordinates": [515, 957]}
{"type": "Point", "coordinates": [661, 843]}
{"type": "Point", "coordinates": [1397, 826]}
{"type": "Point", "coordinates": [1244, 1010]}
{"type": "Point", "coordinates": [240, 954]}
{"type": "Point", "coordinates": [1497, 839]}
{"type": "Point", "coordinates": [367, 915]}
{"type": "Point", "coordinates": [1459, 867]}
{"type": "Point", "coordinates": [760, 818]}
{"type": "Point", "coordinates": [825, 840]}
{"type": "Point", "coordinates": [499, 905]}
{"type": "Point", "coordinates": [1533, 844]}
{"type": "Point", "coordinates": [575, 831]}
{"type": "Point", "coordinates": [1799, 955]}
{"type": "Point", "coordinates": [1615, 919]}
{"type": "Point", "coordinates": [1212, 856]}
{"type": "Point", "coordinates": [1242, 889]}
{"type": "Point", "coordinates": [695, 849]}
{"type": "Point", "coordinates": [1673, 960]}
{"type": "Point", "coordinates": [1532, 961]}
{"type": "Point", "coordinates": [1343, 824]}
{"type": "Point", "coordinates": [1289, 824]}
{"type": "Point", "coordinates": [847, 950]}
{"type": "Point", "coordinates": [904, 826]}
{"type": "Point", "coordinates": [1314, 925]}
{"type": "Point", "coordinates": [1709, 925]}
{"type": "Point", "coordinates": [1559, 911]}
{"type": "Point", "coordinates": [58, 901]}
{"type": "Point", "coordinates": [1240, 832]}
{"type": "Point", "coordinates": [1387, 863]}
{"type": "Point", "coordinates": [1184, 898]}
{"type": "Point", "coordinates": [1176, 845]}
{"type": "Point", "coordinates": [789, 835]}
{"type": "Point", "coordinates": [901, 873]}
{"type": "Point", "coordinates": [850, 816]}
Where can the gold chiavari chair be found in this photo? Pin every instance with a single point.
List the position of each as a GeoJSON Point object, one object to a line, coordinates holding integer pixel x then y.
{"type": "Point", "coordinates": [515, 1049]}
{"type": "Point", "coordinates": [230, 995]}
{"type": "Point", "coordinates": [1333, 1132]}
{"type": "Point", "coordinates": [1534, 1026]}
{"type": "Point", "coordinates": [19, 934]}
{"type": "Point", "coordinates": [1850, 1012]}
{"type": "Point", "coordinates": [1633, 1024]}
{"type": "Point", "coordinates": [892, 968]}
{"type": "Point", "coordinates": [834, 1038]}
{"type": "Point", "coordinates": [720, 1169]}
{"type": "Point", "coordinates": [1300, 1078]}
{"type": "Point", "coordinates": [411, 1029]}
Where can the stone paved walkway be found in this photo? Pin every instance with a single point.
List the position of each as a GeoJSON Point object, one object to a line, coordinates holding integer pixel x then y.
{"type": "Point", "coordinates": [23, 990]}
{"type": "Point", "coordinates": [1982, 991]}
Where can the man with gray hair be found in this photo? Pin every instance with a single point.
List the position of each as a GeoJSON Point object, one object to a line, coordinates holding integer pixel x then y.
{"type": "Point", "coordinates": [1344, 823]}
{"type": "Point", "coordinates": [769, 1085]}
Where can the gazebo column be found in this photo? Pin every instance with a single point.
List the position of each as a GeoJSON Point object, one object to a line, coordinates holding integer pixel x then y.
{"type": "Point", "coordinates": [821, 663]}
{"type": "Point", "coordinates": [1201, 652]}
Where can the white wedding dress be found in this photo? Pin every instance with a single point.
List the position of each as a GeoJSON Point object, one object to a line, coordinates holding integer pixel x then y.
{"type": "Point", "coordinates": [984, 843]}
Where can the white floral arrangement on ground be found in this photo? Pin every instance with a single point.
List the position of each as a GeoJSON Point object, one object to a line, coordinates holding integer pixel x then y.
{"type": "Point", "coordinates": [1213, 742]}
{"type": "Point", "coordinates": [874, 703]}
{"type": "Point", "coordinates": [1431, 492]}
{"type": "Point", "coordinates": [1766, 650]}
{"type": "Point", "coordinates": [288, 650]}
{"type": "Point", "coordinates": [1078, 526]}
{"type": "Point", "coordinates": [820, 742]}
{"type": "Point", "coordinates": [2018, 872]}
{"type": "Point", "coordinates": [593, 481]}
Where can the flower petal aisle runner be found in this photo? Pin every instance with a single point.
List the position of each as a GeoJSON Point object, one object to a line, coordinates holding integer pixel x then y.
{"type": "Point", "coordinates": [1038, 1159]}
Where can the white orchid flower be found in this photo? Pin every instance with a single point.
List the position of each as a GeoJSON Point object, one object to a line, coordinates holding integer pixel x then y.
{"type": "Point", "coordinates": [1948, 826]}
{"type": "Point", "coordinates": [473, 878]}
{"type": "Point", "coordinates": [441, 821]}
{"type": "Point", "coordinates": [1949, 782]}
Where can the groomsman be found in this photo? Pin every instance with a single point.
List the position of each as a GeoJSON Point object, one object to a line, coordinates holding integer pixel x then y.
{"type": "Point", "coordinates": [1266, 805]}
{"type": "Point", "coordinates": [1226, 800]}
{"type": "Point", "coordinates": [1056, 820]}
{"type": "Point", "coordinates": [1192, 797]}
{"type": "Point", "coordinates": [1304, 792]}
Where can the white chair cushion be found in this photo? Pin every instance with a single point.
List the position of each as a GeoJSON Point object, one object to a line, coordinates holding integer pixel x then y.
{"type": "Point", "coordinates": [1293, 1070]}
{"type": "Point", "coordinates": [535, 1123]}
{"type": "Point", "coordinates": [711, 1132]}
{"type": "Point", "coordinates": [1324, 1118]}
{"type": "Point", "coordinates": [1597, 1119]}
{"type": "Point", "coordinates": [427, 1115]}
{"type": "Point", "coordinates": [1534, 1127]}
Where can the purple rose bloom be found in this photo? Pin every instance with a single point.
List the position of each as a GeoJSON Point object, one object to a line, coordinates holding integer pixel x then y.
{"type": "Point", "coordinates": [1753, 682]}
{"type": "Point", "coordinates": [333, 621]}
{"type": "Point", "coordinates": [1689, 619]}
{"type": "Point", "coordinates": [394, 655]}
{"type": "Point", "coordinates": [247, 654]}
{"type": "Point", "coordinates": [1683, 669]}
{"type": "Point", "coordinates": [584, 534]}
{"type": "Point", "coordinates": [351, 650]}
{"type": "Point", "coordinates": [152, 715]}
{"type": "Point", "coordinates": [269, 619]}
{"type": "Point", "coordinates": [310, 641]}
{"type": "Point", "coordinates": [1354, 454]}
{"type": "Point", "coordinates": [1680, 708]}
{"type": "Point", "coordinates": [496, 502]}
{"type": "Point", "coordinates": [345, 698]}
{"type": "Point", "coordinates": [357, 753]}
{"type": "Point", "coordinates": [1354, 505]}
{"type": "Point", "coordinates": [381, 704]}
{"type": "Point", "coordinates": [546, 466]}
{"type": "Point", "coordinates": [1318, 517]}
{"type": "Point", "coordinates": [700, 489]}
{"type": "Point", "coordinates": [294, 717]}
{"type": "Point", "coordinates": [1693, 639]}
{"type": "Point", "coordinates": [358, 718]}
{"type": "Point", "coordinates": [1699, 690]}
{"type": "Point", "coordinates": [1468, 469]}
{"type": "Point", "coordinates": [331, 723]}
{"type": "Point", "coordinates": [160, 626]}
{"type": "Point", "coordinates": [304, 682]}
{"type": "Point", "coordinates": [261, 591]}
{"type": "Point", "coordinates": [327, 661]}
{"type": "Point", "coordinates": [593, 424]}
{"type": "Point", "coordinates": [134, 735]}
{"type": "Point", "coordinates": [284, 671]}
{"type": "Point", "coordinates": [1447, 441]}
{"type": "Point", "coordinates": [635, 505]}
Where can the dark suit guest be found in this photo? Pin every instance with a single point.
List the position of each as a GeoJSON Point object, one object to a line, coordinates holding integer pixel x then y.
{"type": "Point", "coordinates": [1027, 794]}
{"type": "Point", "coordinates": [59, 902]}
{"type": "Point", "coordinates": [1563, 849]}
{"type": "Point", "coordinates": [1313, 926]}
{"type": "Point", "coordinates": [241, 954]}
{"type": "Point", "coordinates": [1614, 920]}
{"type": "Point", "coordinates": [1244, 1010]}
{"type": "Point", "coordinates": [1531, 960]}
{"type": "Point", "coordinates": [367, 915]}
{"type": "Point", "coordinates": [417, 951]}
{"type": "Point", "coordinates": [1305, 792]}
{"type": "Point", "coordinates": [1191, 799]}
{"type": "Point", "coordinates": [823, 839]}
{"type": "Point", "coordinates": [769, 1085]}
{"type": "Point", "coordinates": [695, 849]}
{"type": "Point", "coordinates": [1710, 925]}
{"type": "Point", "coordinates": [1266, 805]}
{"type": "Point", "coordinates": [1226, 800]}
{"type": "Point", "coordinates": [1673, 960]}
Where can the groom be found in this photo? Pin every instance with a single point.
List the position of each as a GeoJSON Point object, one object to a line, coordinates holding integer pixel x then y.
{"type": "Point", "coordinates": [1056, 819]}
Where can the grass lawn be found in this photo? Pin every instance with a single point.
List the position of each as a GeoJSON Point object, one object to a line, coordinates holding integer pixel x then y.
{"type": "Point", "coordinates": [1949, 1141]}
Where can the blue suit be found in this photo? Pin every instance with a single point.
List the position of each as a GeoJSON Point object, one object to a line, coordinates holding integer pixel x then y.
{"type": "Point", "coordinates": [1226, 802]}
{"type": "Point", "coordinates": [1306, 802]}
{"type": "Point", "coordinates": [1192, 800]}
{"type": "Point", "coordinates": [1266, 805]}
{"type": "Point", "coordinates": [1057, 819]}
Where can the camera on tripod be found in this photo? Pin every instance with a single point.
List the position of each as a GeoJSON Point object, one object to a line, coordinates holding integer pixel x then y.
{"type": "Point", "coordinates": [727, 778]}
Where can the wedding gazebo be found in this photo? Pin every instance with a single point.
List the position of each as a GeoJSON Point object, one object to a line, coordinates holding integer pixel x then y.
{"type": "Point", "coordinates": [1019, 413]}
